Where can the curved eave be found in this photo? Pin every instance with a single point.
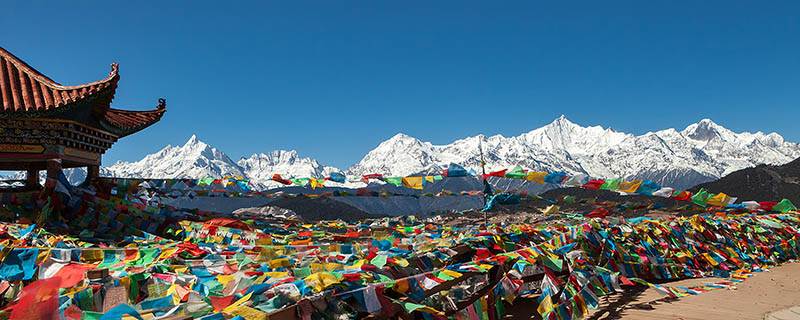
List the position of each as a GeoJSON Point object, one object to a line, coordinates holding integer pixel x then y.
{"type": "Point", "coordinates": [23, 89]}
{"type": "Point", "coordinates": [125, 122]}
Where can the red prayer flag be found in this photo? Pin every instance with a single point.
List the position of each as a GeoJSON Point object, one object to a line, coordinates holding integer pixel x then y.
{"type": "Point", "coordinates": [767, 205]}
{"type": "Point", "coordinates": [372, 176]}
{"type": "Point", "coordinates": [72, 274]}
{"type": "Point", "coordinates": [38, 300]}
{"type": "Point", "coordinates": [277, 178]}
{"type": "Point", "coordinates": [598, 213]}
{"type": "Point", "coordinates": [625, 281]}
{"type": "Point", "coordinates": [683, 196]}
{"type": "Point", "coordinates": [594, 184]}
{"type": "Point", "coordinates": [220, 303]}
{"type": "Point", "coordinates": [501, 173]}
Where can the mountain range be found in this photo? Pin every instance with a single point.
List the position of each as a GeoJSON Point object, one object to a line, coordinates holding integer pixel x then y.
{"type": "Point", "coordinates": [701, 152]}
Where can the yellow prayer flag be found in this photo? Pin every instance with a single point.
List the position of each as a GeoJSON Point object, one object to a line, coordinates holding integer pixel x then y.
{"type": "Point", "coordinates": [91, 255]}
{"type": "Point", "coordinates": [316, 183]}
{"type": "Point", "coordinates": [629, 186]}
{"type": "Point", "coordinates": [413, 182]}
{"type": "Point", "coordinates": [719, 200]}
{"type": "Point", "coordinates": [321, 280]}
{"type": "Point", "coordinates": [537, 177]}
{"type": "Point", "coordinates": [246, 312]}
{"type": "Point", "coordinates": [43, 254]}
{"type": "Point", "coordinates": [546, 306]}
{"type": "Point", "coordinates": [276, 274]}
{"type": "Point", "coordinates": [550, 210]}
{"type": "Point", "coordinates": [452, 273]}
{"type": "Point", "coordinates": [166, 253]}
{"type": "Point", "coordinates": [277, 263]}
{"type": "Point", "coordinates": [224, 279]}
{"type": "Point", "coordinates": [265, 255]}
{"type": "Point", "coordinates": [332, 266]}
{"type": "Point", "coordinates": [264, 241]}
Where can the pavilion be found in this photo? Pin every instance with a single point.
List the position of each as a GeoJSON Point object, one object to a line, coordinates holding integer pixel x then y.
{"type": "Point", "coordinates": [48, 126]}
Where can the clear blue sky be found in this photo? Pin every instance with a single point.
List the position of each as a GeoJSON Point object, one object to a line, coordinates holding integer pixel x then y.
{"type": "Point", "coordinates": [332, 79]}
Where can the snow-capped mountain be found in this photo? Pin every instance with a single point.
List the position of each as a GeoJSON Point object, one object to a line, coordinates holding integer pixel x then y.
{"type": "Point", "coordinates": [288, 163]}
{"type": "Point", "coordinates": [259, 168]}
{"type": "Point", "coordinates": [195, 159]}
{"type": "Point", "coordinates": [74, 175]}
{"type": "Point", "coordinates": [702, 152]}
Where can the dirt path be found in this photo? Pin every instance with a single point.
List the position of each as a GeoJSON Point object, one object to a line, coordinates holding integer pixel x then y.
{"type": "Point", "coordinates": [754, 298]}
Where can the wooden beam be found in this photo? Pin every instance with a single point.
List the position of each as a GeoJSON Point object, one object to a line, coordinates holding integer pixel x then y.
{"type": "Point", "coordinates": [53, 168]}
{"type": "Point", "coordinates": [92, 172]}
{"type": "Point", "coordinates": [32, 179]}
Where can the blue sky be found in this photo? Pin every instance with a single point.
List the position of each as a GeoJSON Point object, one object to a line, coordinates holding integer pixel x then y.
{"type": "Point", "coordinates": [332, 79]}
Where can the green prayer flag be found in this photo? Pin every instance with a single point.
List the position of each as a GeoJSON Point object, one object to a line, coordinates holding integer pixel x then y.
{"type": "Point", "coordinates": [411, 307]}
{"type": "Point", "coordinates": [611, 184]}
{"type": "Point", "coordinates": [395, 181]}
{"type": "Point", "coordinates": [379, 261]}
{"type": "Point", "coordinates": [554, 264]}
{"type": "Point", "coordinates": [444, 276]}
{"type": "Point", "coordinates": [516, 173]}
{"type": "Point", "coordinates": [147, 256]}
{"type": "Point", "coordinates": [501, 309]}
{"type": "Point", "coordinates": [90, 315]}
{"type": "Point", "coordinates": [784, 206]}
{"type": "Point", "coordinates": [701, 197]}
{"type": "Point", "coordinates": [300, 273]}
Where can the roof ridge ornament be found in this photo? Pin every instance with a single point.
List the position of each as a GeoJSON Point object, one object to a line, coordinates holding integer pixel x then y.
{"type": "Point", "coordinates": [114, 69]}
{"type": "Point", "coordinates": [162, 103]}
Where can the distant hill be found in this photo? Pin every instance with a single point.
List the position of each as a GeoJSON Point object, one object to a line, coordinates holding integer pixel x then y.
{"type": "Point", "coordinates": [760, 183]}
{"type": "Point", "coordinates": [322, 209]}
{"type": "Point", "coordinates": [612, 196]}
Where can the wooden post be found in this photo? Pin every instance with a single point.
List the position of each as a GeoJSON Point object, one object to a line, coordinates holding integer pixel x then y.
{"type": "Point", "coordinates": [92, 172]}
{"type": "Point", "coordinates": [32, 179]}
{"type": "Point", "coordinates": [53, 168]}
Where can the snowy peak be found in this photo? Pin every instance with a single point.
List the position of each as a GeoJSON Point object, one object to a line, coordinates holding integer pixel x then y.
{"type": "Point", "coordinates": [261, 167]}
{"type": "Point", "coordinates": [562, 134]}
{"type": "Point", "coordinates": [400, 140]}
{"type": "Point", "coordinates": [192, 141]}
{"type": "Point", "coordinates": [401, 155]}
{"type": "Point", "coordinates": [562, 122]}
{"type": "Point", "coordinates": [195, 159]}
{"type": "Point", "coordinates": [705, 130]}
{"type": "Point", "coordinates": [703, 151]}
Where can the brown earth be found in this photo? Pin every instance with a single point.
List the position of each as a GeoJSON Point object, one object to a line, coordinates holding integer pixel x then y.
{"type": "Point", "coordinates": [322, 209]}
{"type": "Point", "coordinates": [754, 298]}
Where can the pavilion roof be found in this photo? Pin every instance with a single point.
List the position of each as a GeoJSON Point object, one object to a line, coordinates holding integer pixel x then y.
{"type": "Point", "coordinates": [27, 93]}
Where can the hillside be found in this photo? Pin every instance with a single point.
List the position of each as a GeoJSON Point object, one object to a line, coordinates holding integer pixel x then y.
{"type": "Point", "coordinates": [760, 183]}
{"type": "Point", "coordinates": [322, 209]}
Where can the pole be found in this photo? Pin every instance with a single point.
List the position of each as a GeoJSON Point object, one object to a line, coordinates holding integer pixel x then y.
{"type": "Point", "coordinates": [485, 183]}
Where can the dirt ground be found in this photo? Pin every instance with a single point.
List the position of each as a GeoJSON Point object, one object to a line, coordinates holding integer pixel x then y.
{"type": "Point", "coordinates": [754, 298]}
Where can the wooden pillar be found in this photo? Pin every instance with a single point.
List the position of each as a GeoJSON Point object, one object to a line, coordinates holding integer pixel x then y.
{"type": "Point", "coordinates": [53, 168]}
{"type": "Point", "coordinates": [32, 179]}
{"type": "Point", "coordinates": [92, 172]}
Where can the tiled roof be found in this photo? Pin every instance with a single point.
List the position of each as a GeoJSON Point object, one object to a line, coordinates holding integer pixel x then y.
{"type": "Point", "coordinates": [132, 121]}
{"type": "Point", "coordinates": [23, 89]}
